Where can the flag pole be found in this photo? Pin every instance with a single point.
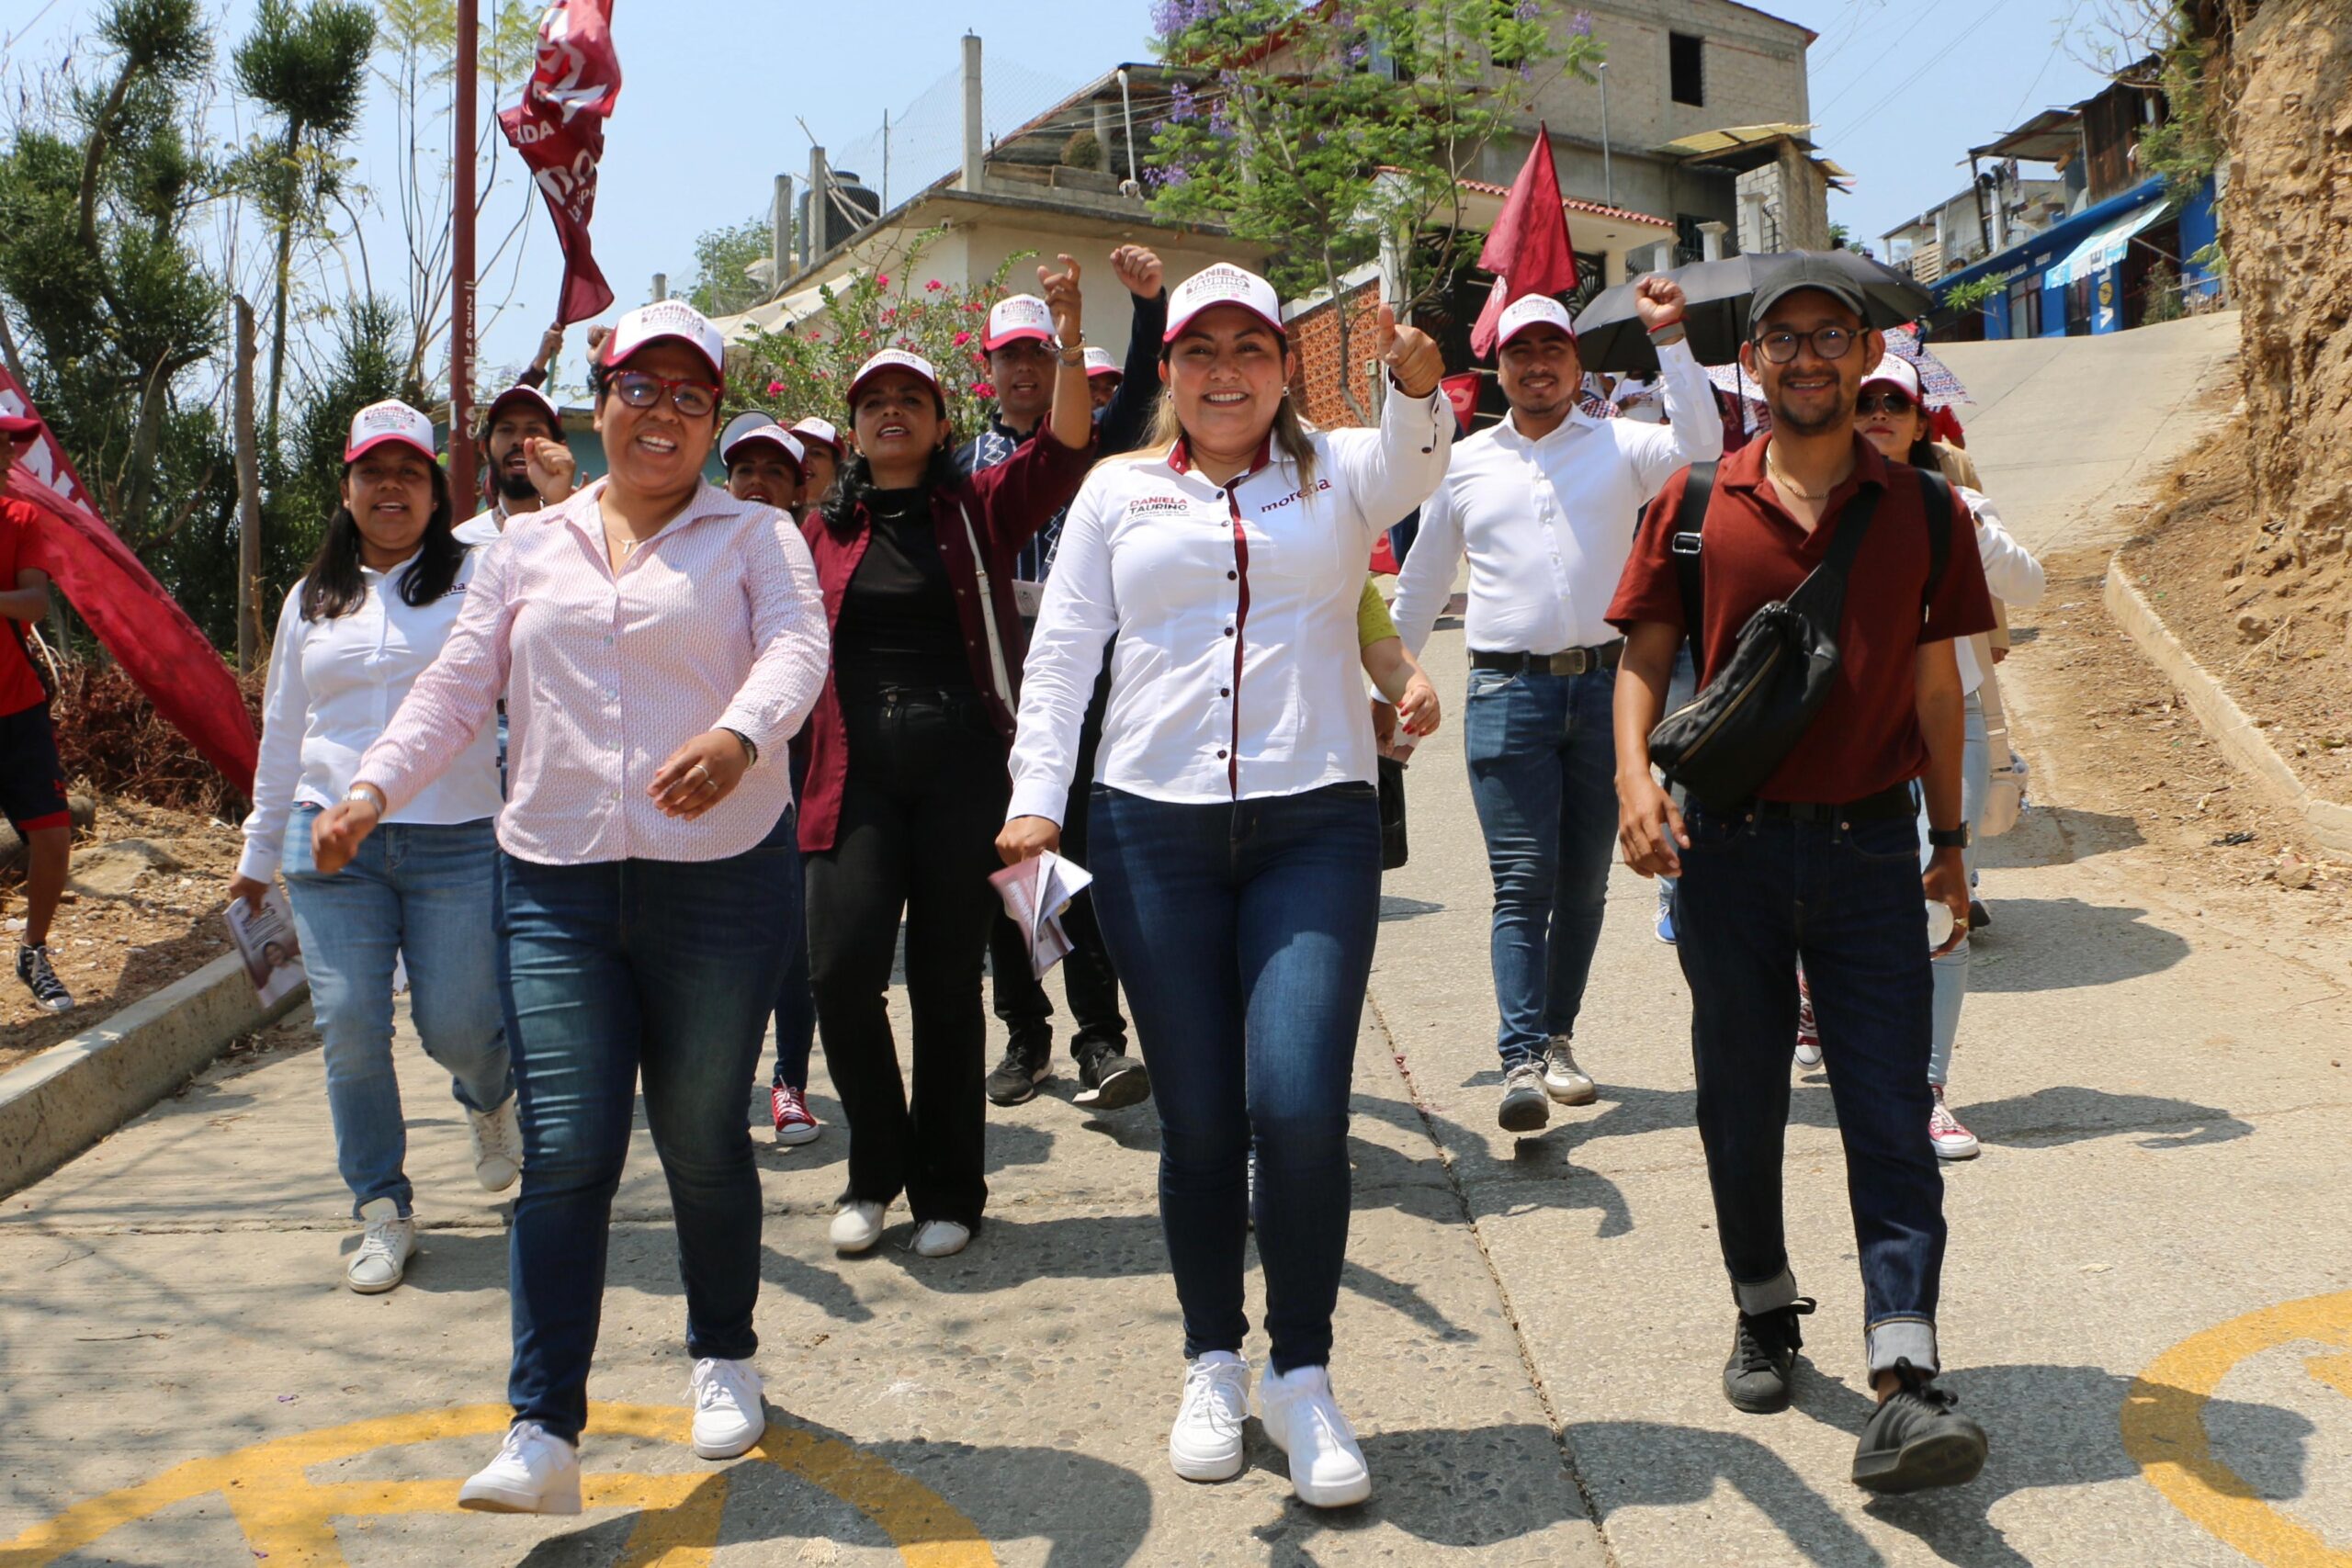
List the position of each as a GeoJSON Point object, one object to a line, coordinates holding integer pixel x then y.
{"type": "Point", "coordinates": [463, 477]}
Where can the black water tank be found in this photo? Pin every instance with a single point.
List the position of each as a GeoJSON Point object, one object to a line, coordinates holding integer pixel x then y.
{"type": "Point", "coordinates": [834, 225]}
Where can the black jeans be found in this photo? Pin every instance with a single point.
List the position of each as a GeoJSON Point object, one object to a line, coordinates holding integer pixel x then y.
{"type": "Point", "coordinates": [920, 807]}
{"type": "Point", "coordinates": [1757, 895]}
{"type": "Point", "coordinates": [1089, 977]}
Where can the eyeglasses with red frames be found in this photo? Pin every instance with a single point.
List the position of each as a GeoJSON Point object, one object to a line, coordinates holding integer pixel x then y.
{"type": "Point", "coordinates": [641, 390]}
{"type": "Point", "coordinates": [1888, 402]}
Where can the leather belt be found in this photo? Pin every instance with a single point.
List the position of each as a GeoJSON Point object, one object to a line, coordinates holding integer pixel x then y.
{"type": "Point", "coordinates": [1895, 800]}
{"type": "Point", "coordinates": [1569, 661]}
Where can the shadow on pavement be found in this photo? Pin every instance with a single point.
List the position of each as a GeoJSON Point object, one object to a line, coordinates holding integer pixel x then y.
{"type": "Point", "coordinates": [2065, 1114]}
{"type": "Point", "coordinates": [2064, 944]}
{"type": "Point", "coordinates": [1466, 1488]}
{"type": "Point", "coordinates": [2059, 835]}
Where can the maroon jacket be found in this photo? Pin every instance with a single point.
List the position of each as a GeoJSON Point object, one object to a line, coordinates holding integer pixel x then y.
{"type": "Point", "coordinates": [1008, 504]}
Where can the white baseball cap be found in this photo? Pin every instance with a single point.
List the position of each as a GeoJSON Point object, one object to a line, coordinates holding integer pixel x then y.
{"type": "Point", "coordinates": [895, 359]}
{"type": "Point", "coordinates": [1222, 283]}
{"type": "Point", "coordinates": [1100, 363]}
{"type": "Point", "coordinates": [520, 392]}
{"type": "Point", "coordinates": [1022, 316]}
{"type": "Point", "coordinates": [667, 319]}
{"type": "Point", "coordinates": [746, 428]}
{"type": "Point", "coordinates": [1532, 311]}
{"type": "Point", "coordinates": [815, 431]}
{"type": "Point", "coordinates": [1894, 370]}
{"type": "Point", "coordinates": [391, 420]}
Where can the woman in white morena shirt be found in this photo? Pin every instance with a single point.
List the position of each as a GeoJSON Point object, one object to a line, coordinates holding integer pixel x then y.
{"type": "Point", "coordinates": [1234, 823]}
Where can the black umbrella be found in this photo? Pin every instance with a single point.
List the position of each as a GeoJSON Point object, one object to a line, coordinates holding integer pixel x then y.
{"type": "Point", "coordinates": [1610, 335]}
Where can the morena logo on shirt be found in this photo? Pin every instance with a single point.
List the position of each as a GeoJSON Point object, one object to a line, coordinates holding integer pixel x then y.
{"type": "Point", "coordinates": [1319, 486]}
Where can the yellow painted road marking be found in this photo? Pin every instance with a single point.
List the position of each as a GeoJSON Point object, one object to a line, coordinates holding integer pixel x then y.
{"type": "Point", "coordinates": [2164, 1428]}
{"type": "Point", "coordinates": [290, 1518]}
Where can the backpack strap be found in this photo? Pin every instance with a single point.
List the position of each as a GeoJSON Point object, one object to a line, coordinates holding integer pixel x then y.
{"type": "Point", "coordinates": [1936, 498]}
{"type": "Point", "coordinates": [1690, 518]}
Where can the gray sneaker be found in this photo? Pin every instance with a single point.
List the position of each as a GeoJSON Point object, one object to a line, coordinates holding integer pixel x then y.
{"type": "Point", "coordinates": [1562, 1080]}
{"type": "Point", "coordinates": [1525, 1106]}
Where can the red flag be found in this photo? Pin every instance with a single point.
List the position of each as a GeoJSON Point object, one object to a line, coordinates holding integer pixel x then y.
{"type": "Point", "coordinates": [1529, 251]}
{"type": "Point", "coordinates": [559, 131]}
{"type": "Point", "coordinates": [1462, 392]}
{"type": "Point", "coordinates": [149, 634]}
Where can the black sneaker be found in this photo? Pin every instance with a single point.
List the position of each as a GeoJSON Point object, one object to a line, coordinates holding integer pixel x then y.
{"type": "Point", "coordinates": [1917, 1441]}
{"type": "Point", "coordinates": [1027, 1064]}
{"type": "Point", "coordinates": [1764, 1358]}
{"type": "Point", "coordinates": [32, 968]}
{"type": "Point", "coordinates": [1110, 1080]}
{"type": "Point", "coordinates": [1979, 917]}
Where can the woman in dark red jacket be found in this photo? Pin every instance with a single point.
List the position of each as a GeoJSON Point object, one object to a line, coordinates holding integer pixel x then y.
{"type": "Point", "coordinates": [907, 780]}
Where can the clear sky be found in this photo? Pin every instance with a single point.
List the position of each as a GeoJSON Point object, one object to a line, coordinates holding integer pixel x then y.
{"type": "Point", "coordinates": [714, 90]}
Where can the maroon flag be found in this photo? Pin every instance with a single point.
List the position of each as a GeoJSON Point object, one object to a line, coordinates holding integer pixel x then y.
{"type": "Point", "coordinates": [149, 634]}
{"type": "Point", "coordinates": [559, 131]}
{"type": "Point", "coordinates": [1462, 392]}
{"type": "Point", "coordinates": [1529, 251]}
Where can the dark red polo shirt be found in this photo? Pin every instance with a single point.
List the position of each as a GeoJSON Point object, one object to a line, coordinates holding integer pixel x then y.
{"type": "Point", "coordinates": [1867, 737]}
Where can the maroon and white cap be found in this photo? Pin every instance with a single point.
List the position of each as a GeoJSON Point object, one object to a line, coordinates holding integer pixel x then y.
{"type": "Point", "coordinates": [1099, 362]}
{"type": "Point", "coordinates": [1022, 316]}
{"type": "Point", "coordinates": [1532, 311]}
{"type": "Point", "coordinates": [1222, 283]}
{"type": "Point", "coordinates": [815, 431]}
{"type": "Point", "coordinates": [522, 392]}
{"type": "Point", "coordinates": [895, 359]}
{"type": "Point", "coordinates": [391, 420]}
{"type": "Point", "coordinates": [1894, 370]}
{"type": "Point", "coordinates": [746, 428]}
{"type": "Point", "coordinates": [667, 320]}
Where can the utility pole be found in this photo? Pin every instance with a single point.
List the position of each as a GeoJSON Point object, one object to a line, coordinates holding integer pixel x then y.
{"type": "Point", "coordinates": [464, 478]}
{"type": "Point", "coordinates": [248, 493]}
{"type": "Point", "coordinates": [1608, 176]}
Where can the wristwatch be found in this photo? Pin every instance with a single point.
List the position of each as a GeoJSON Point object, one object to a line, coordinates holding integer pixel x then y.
{"type": "Point", "coordinates": [751, 752]}
{"type": "Point", "coordinates": [367, 792]}
{"type": "Point", "coordinates": [1948, 837]}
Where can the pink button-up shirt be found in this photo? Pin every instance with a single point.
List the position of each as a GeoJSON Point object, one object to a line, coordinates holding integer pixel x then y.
{"type": "Point", "coordinates": [715, 622]}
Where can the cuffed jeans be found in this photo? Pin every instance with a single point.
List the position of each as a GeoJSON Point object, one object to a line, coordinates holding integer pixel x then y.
{"type": "Point", "coordinates": [1951, 968]}
{"type": "Point", "coordinates": [663, 971]}
{"type": "Point", "coordinates": [1245, 931]}
{"type": "Point", "coordinates": [1756, 897]}
{"type": "Point", "coordinates": [413, 887]}
{"type": "Point", "coordinates": [1544, 777]}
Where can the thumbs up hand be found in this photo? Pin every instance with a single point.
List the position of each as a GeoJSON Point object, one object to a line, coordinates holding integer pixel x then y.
{"type": "Point", "coordinates": [1410, 354]}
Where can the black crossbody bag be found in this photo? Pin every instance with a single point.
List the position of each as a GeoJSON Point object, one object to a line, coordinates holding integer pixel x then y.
{"type": "Point", "coordinates": [1722, 746]}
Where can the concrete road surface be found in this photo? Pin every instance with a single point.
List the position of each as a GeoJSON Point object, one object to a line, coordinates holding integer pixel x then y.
{"type": "Point", "coordinates": [1531, 1329]}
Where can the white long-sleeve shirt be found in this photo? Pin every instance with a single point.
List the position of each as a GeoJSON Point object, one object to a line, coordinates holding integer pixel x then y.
{"type": "Point", "coordinates": [334, 685]}
{"type": "Point", "coordinates": [2010, 572]}
{"type": "Point", "coordinates": [1235, 674]}
{"type": "Point", "coordinates": [1548, 524]}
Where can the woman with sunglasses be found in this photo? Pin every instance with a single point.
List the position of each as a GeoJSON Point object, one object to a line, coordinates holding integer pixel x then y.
{"type": "Point", "coordinates": [1235, 825]}
{"type": "Point", "coordinates": [1891, 414]}
{"type": "Point", "coordinates": [659, 643]}
{"type": "Point", "coordinates": [906, 758]}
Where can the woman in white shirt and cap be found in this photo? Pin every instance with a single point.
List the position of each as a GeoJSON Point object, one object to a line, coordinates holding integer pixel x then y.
{"type": "Point", "coordinates": [366, 619]}
{"type": "Point", "coordinates": [1236, 830]}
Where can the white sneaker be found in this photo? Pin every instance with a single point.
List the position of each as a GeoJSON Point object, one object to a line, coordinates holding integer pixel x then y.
{"type": "Point", "coordinates": [1326, 1468]}
{"type": "Point", "coordinates": [1808, 1053]}
{"type": "Point", "coordinates": [384, 1250]}
{"type": "Point", "coordinates": [858, 1226]}
{"type": "Point", "coordinates": [534, 1473]}
{"type": "Point", "coordinates": [1945, 1134]}
{"type": "Point", "coordinates": [730, 1416]}
{"type": "Point", "coordinates": [498, 1146]}
{"type": "Point", "coordinates": [941, 1238]}
{"type": "Point", "coordinates": [1206, 1442]}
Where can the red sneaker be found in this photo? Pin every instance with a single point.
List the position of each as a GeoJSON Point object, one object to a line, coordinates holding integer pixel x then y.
{"type": "Point", "coordinates": [793, 1124]}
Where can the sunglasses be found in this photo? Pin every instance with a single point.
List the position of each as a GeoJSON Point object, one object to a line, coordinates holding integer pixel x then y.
{"type": "Point", "coordinates": [1883, 403]}
{"type": "Point", "coordinates": [1781, 346]}
{"type": "Point", "coordinates": [641, 390]}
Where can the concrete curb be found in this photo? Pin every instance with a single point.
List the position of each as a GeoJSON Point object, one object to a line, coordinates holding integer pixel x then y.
{"type": "Point", "coordinates": [2246, 747]}
{"type": "Point", "coordinates": [80, 1090]}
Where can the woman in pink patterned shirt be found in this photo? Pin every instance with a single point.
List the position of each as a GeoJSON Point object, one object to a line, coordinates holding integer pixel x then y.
{"type": "Point", "coordinates": [659, 643]}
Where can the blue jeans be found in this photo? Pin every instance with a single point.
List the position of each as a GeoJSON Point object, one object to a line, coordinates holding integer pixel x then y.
{"type": "Point", "coordinates": [414, 887]}
{"type": "Point", "coordinates": [1681, 687]}
{"type": "Point", "coordinates": [1951, 968]}
{"type": "Point", "coordinates": [796, 1004]}
{"type": "Point", "coordinates": [1244, 933]}
{"type": "Point", "coordinates": [1756, 897]}
{"type": "Point", "coordinates": [663, 970]}
{"type": "Point", "coordinates": [1544, 777]}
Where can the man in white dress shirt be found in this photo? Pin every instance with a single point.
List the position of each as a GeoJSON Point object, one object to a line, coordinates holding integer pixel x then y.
{"type": "Point", "coordinates": [1544, 505]}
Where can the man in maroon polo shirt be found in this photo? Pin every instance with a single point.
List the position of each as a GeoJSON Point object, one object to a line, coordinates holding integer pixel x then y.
{"type": "Point", "coordinates": [1823, 865]}
{"type": "Point", "coordinates": [32, 780]}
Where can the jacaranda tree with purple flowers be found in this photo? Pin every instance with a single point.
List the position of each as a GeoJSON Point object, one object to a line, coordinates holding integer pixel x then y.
{"type": "Point", "coordinates": [1326, 129]}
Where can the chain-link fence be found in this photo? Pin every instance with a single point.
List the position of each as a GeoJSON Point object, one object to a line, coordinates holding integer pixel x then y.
{"type": "Point", "coordinates": [924, 141]}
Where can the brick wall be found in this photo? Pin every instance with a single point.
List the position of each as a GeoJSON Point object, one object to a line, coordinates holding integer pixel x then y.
{"type": "Point", "coordinates": [1314, 338]}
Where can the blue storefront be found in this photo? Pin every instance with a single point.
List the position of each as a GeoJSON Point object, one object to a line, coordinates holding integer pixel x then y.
{"type": "Point", "coordinates": [2089, 274]}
